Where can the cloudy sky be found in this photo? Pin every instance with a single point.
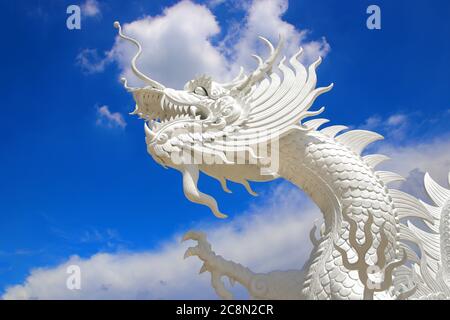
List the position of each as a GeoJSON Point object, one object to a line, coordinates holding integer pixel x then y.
{"type": "Point", "coordinates": [77, 186]}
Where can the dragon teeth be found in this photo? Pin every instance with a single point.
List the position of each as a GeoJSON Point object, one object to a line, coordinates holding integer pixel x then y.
{"type": "Point", "coordinates": [165, 105]}
{"type": "Point", "coordinates": [168, 112]}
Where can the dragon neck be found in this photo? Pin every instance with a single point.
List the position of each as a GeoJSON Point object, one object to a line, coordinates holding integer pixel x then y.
{"type": "Point", "coordinates": [343, 186]}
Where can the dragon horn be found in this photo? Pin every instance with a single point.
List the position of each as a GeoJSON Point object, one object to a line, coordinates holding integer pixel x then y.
{"type": "Point", "coordinates": [136, 71]}
{"type": "Point", "coordinates": [263, 66]}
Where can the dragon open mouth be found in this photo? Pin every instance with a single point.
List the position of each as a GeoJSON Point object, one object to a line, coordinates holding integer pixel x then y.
{"type": "Point", "coordinates": [161, 108]}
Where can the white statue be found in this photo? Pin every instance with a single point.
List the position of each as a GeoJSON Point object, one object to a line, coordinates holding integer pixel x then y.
{"type": "Point", "coordinates": [361, 253]}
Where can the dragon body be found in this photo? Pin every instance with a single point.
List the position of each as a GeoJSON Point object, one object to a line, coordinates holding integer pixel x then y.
{"type": "Point", "coordinates": [346, 189]}
{"type": "Point", "coordinates": [256, 128]}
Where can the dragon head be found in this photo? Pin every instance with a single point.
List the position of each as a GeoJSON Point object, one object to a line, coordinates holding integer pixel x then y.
{"type": "Point", "coordinates": [226, 130]}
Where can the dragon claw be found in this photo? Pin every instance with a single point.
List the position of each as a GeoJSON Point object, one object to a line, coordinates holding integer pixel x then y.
{"type": "Point", "coordinates": [194, 235]}
{"type": "Point", "coordinates": [203, 248]}
{"type": "Point", "coordinates": [204, 252]}
{"type": "Point", "coordinates": [192, 251]}
{"type": "Point", "coordinates": [203, 269]}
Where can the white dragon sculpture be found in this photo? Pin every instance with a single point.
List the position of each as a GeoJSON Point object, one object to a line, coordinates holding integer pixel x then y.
{"type": "Point", "coordinates": [369, 246]}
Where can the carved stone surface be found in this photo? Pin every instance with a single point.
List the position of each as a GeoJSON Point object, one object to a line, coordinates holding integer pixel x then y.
{"type": "Point", "coordinates": [253, 128]}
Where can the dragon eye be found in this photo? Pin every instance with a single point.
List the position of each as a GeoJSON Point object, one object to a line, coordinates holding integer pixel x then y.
{"type": "Point", "coordinates": [200, 91]}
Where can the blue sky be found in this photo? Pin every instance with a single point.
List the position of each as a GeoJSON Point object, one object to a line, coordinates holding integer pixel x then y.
{"type": "Point", "coordinates": [76, 178]}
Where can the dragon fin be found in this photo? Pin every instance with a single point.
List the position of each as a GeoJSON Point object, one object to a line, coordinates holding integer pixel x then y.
{"type": "Point", "coordinates": [434, 211]}
{"type": "Point", "coordinates": [436, 192]}
{"type": "Point", "coordinates": [430, 241]}
{"type": "Point", "coordinates": [410, 253]}
{"type": "Point", "coordinates": [388, 177]}
{"type": "Point", "coordinates": [358, 140]}
{"type": "Point", "coordinates": [332, 131]}
{"type": "Point", "coordinates": [408, 206]}
{"type": "Point", "coordinates": [374, 160]}
{"type": "Point", "coordinates": [314, 124]}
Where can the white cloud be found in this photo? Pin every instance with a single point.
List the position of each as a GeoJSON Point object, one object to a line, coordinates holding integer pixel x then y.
{"type": "Point", "coordinates": [411, 158]}
{"type": "Point", "coordinates": [215, 3]}
{"type": "Point", "coordinates": [414, 159]}
{"type": "Point", "coordinates": [108, 238]}
{"type": "Point", "coordinates": [264, 18]}
{"type": "Point", "coordinates": [397, 119]}
{"type": "Point", "coordinates": [395, 126]}
{"type": "Point", "coordinates": [90, 61]}
{"type": "Point", "coordinates": [176, 45]}
{"type": "Point", "coordinates": [371, 123]}
{"type": "Point", "coordinates": [271, 236]}
{"type": "Point", "coordinates": [109, 119]}
{"type": "Point", "coordinates": [186, 40]}
{"type": "Point", "coordinates": [91, 8]}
